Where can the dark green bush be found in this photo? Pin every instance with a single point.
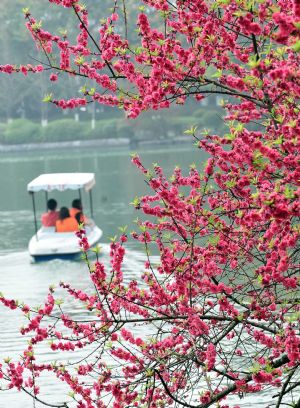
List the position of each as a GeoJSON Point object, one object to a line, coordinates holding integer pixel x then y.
{"type": "Point", "coordinates": [22, 131]}
{"type": "Point", "coordinates": [64, 130]}
{"type": "Point", "coordinates": [104, 129]}
{"type": "Point", "coordinates": [148, 127]}
{"type": "Point", "coordinates": [125, 131]}
{"type": "Point", "coordinates": [96, 133]}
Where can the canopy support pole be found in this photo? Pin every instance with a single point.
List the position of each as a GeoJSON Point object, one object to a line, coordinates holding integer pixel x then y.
{"type": "Point", "coordinates": [46, 197]}
{"type": "Point", "coordinates": [91, 203]}
{"type": "Point", "coordinates": [80, 198]}
{"type": "Point", "coordinates": [34, 213]}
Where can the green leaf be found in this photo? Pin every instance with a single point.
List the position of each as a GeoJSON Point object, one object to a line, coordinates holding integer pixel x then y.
{"type": "Point", "coordinates": [164, 14]}
{"type": "Point", "coordinates": [230, 183]}
{"type": "Point", "coordinates": [288, 192]}
{"type": "Point", "coordinates": [136, 202]}
{"type": "Point", "coordinates": [296, 46]}
{"type": "Point", "coordinates": [63, 33]}
{"type": "Point", "coordinates": [295, 317]}
{"type": "Point", "coordinates": [296, 228]}
{"type": "Point", "coordinates": [191, 131]}
{"type": "Point", "coordinates": [297, 24]}
{"type": "Point", "coordinates": [230, 136]}
{"type": "Point", "coordinates": [292, 123]}
{"type": "Point", "coordinates": [258, 160]}
{"type": "Point", "coordinates": [48, 97]}
{"type": "Point", "coordinates": [279, 140]}
{"type": "Point", "coordinates": [255, 368]}
{"type": "Point", "coordinates": [123, 229]}
{"type": "Point", "coordinates": [79, 60]}
{"type": "Point", "coordinates": [217, 74]}
{"type": "Point", "coordinates": [7, 360]}
{"type": "Point", "coordinates": [253, 62]}
{"type": "Point", "coordinates": [36, 26]}
{"type": "Point", "coordinates": [268, 368]}
{"type": "Point", "coordinates": [96, 249]}
{"type": "Point", "coordinates": [271, 243]}
{"type": "Point", "coordinates": [240, 127]}
{"type": "Point", "coordinates": [214, 239]}
{"type": "Point", "coordinates": [269, 202]}
{"type": "Point", "coordinates": [143, 228]}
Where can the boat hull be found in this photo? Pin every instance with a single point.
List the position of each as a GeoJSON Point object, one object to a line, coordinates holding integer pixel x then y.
{"type": "Point", "coordinates": [48, 244]}
{"type": "Point", "coordinates": [64, 257]}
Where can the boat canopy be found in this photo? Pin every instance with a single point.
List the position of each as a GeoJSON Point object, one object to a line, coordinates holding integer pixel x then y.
{"type": "Point", "coordinates": [62, 182]}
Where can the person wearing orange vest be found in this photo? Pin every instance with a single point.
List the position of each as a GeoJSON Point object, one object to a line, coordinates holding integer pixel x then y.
{"type": "Point", "coordinates": [65, 223]}
{"type": "Point", "coordinates": [76, 212]}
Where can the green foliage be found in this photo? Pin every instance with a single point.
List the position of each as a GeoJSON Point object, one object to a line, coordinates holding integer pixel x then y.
{"type": "Point", "coordinates": [65, 129]}
{"type": "Point", "coordinates": [48, 98]}
{"type": "Point", "coordinates": [148, 127]}
{"type": "Point", "coordinates": [104, 129]}
{"type": "Point", "coordinates": [191, 130]}
{"type": "Point", "coordinates": [21, 131]}
{"type": "Point", "coordinates": [26, 131]}
{"type": "Point", "coordinates": [296, 46]}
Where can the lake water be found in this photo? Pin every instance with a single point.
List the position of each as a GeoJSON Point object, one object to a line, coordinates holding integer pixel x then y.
{"type": "Point", "coordinates": [117, 183]}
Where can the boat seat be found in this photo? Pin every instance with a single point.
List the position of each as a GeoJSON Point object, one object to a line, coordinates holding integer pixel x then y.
{"type": "Point", "coordinates": [47, 230]}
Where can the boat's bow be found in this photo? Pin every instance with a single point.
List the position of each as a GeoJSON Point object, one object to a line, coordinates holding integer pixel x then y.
{"type": "Point", "coordinates": [49, 244]}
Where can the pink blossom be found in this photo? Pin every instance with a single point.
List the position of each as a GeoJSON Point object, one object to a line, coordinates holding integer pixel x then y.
{"type": "Point", "coordinates": [53, 77]}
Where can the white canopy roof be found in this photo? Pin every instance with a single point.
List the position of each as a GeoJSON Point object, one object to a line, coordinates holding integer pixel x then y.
{"type": "Point", "coordinates": [62, 182]}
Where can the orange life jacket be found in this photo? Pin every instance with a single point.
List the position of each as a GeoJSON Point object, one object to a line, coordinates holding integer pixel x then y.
{"type": "Point", "coordinates": [74, 211]}
{"type": "Point", "coordinates": [67, 225]}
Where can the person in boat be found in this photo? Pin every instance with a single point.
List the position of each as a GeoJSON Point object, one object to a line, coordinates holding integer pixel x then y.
{"type": "Point", "coordinates": [77, 213]}
{"type": "Point", "coordinates": [65, 222]}
{"type": "Point", "coordinates": [49, 218]}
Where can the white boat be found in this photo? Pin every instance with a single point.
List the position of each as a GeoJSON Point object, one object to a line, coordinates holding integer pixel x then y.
{"type": "Point", "coordinates": [46, 243]}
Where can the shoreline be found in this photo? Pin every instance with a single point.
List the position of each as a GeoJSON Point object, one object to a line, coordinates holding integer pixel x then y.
{"type": "Point", "coordinates": [75, 144]}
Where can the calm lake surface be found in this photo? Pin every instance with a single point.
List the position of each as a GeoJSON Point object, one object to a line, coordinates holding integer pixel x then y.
{"type": "Point", "coordinates": [117, 183]}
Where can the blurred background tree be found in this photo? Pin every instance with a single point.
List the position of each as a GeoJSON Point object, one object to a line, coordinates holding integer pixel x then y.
{"type": "Point", "coordinates": [24, 116]}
